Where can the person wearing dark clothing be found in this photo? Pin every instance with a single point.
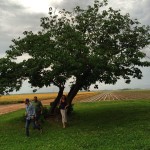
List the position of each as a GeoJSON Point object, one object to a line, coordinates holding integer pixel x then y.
{"type": "Point", "coordinates": [63, 110]}
{"type": "Point", "coordinates": [38, 109]}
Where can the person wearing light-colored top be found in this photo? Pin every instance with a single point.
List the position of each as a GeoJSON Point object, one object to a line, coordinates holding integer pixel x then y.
{"type": "Point", "coordinates": [30, 117]}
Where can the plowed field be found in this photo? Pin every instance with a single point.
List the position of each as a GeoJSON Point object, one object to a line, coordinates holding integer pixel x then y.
{"type": "Point", "coordinates": [119, 95]}
{"type": "Point", "coordinates": [90, 97]}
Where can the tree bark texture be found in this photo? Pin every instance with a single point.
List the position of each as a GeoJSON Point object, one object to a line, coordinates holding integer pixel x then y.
{"type": "Point", "coordinates": [57, 99]}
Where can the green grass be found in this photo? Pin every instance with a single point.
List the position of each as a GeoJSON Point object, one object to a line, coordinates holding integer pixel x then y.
{"type": "Point", "coordinates": [123, 125]}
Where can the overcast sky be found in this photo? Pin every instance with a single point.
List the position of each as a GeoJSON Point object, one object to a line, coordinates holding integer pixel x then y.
{"type": "Point", "coordinates": [17, 16]}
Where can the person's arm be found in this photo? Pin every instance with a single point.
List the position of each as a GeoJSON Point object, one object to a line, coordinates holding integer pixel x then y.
{"type": "Point", "coordinates": [66, 106]}
{"type": "Point", "coordinates": [41, 107]}
{"type": "Point", "coordinates": [26, 112]}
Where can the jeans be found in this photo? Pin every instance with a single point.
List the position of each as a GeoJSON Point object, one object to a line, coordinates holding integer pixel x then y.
{"type": "Point", "coordinates": [35, 126]}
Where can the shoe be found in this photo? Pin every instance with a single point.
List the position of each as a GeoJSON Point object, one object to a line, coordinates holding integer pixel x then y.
{"type": "Point", "coordinates": [64, 126]}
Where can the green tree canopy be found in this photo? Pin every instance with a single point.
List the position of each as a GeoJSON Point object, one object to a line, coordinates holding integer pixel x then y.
{"type": "Point", "coordinates": [92, 44]}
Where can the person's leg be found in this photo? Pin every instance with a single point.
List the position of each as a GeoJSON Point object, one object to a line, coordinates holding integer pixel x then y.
{"type": "Point", "coordinates": [36, 125]}
{"type": "Point", "coordinates": [37, 120]}
{"type": "Point", "coordinates": [63, 117]}
{"type": "Point", "coordinates": [27, 126]}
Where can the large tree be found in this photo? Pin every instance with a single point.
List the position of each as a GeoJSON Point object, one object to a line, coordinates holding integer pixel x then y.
{"type": "Point", "coordinates": [89, 45]}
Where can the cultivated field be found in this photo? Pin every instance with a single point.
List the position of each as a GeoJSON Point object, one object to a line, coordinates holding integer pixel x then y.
{"type": "Point", "coordinates": [11, 100]}
{"type": "Point", "coordinates": [119, 95]}
{"type": "Point", "coordinates": [82, 96]}
{"type": "Point", "coordinates": [19, 98]}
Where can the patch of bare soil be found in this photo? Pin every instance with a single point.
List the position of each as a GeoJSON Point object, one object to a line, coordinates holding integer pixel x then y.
{"type": "Point", "coordinates": [14, 107]}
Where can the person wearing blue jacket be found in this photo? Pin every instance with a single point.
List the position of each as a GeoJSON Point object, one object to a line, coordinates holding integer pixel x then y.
{"type": "Point", "coordinates": [30, 117]}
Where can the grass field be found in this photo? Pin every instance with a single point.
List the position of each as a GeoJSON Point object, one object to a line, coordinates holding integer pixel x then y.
{"type": "Point", "coordinates": [109, 125]}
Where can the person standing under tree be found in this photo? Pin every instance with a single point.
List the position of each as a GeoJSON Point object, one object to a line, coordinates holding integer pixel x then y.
{"type": "Point", "coordinates": [63, 110]}
{"type": "Point", "coordinates": [38, 109]}
{"type": "Point", "coordinates": [30, 117]}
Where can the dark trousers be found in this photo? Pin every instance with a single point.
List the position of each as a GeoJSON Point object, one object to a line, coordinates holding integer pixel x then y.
{"type": "Point", "coordinates": [28, 122]}
{"type": "Point", "coordinates": [37, 119]}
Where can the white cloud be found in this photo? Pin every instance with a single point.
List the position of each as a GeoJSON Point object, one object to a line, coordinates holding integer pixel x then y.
{"type": "Point", "coordinates": [38, 6]}
{"type": "Point", "coordinates": [35, 5]}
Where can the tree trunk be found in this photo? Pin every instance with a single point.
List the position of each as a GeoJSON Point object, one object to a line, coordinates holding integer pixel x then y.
{"type": "Point", "coordinates": [57, 99]}
{"type": "Point", "coordinates": [73, 92]}
{"type": "Point", "coordinates": [77, 86]}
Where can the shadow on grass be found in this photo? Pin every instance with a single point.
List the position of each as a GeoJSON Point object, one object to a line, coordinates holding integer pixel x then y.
{"type": "Point", "coordinates": [112, 114]}
{"type": "Point", "coordinates": [92, 126]}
